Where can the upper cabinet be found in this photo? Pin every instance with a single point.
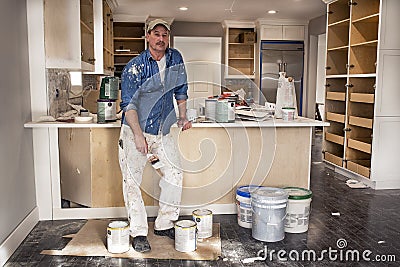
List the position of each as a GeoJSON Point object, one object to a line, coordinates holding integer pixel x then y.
{"type": "Point", "coordinates": [69, 34]}
{"type": "Point", "coordinates": [103, 38]}
{"type": "Point", "coordinates": [129, 41]}
{"type": "Point", "coordinates": [281, 32]}
{"type": "Point", "coordinates": [240, 40]}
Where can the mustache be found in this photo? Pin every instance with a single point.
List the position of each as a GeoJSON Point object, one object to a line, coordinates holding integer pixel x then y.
{"type": "Point", "coordinates": [160, 43]}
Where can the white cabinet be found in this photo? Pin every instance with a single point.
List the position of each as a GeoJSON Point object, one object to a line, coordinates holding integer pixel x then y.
{"type": "Point", "coordinates": [281, 32]}
{"type": "Point", "coordinates": [103, 38]}
{"type": "Point", "coordinates": [388, 93]}
{"type": "Point", "coordinates": [69, 41]}
{"type": "Point", "coordinates": [362, 96]}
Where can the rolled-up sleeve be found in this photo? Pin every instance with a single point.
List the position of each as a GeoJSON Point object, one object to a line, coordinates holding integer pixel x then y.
{"type": "Point", "coordinates": [130, 84]}
{"type": "Point", "coordinates": [181, 88]}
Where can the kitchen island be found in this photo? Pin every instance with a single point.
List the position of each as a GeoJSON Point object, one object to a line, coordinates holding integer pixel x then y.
{"type": "Point", "coordinates": [216, 159]}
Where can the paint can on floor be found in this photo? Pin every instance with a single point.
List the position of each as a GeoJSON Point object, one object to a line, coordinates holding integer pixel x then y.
{"type": "Point", "coordinates": [185, 235]}
{"type": "Point", "coordinates": [298, 209]}
{"type": "Point", "coordinates": [269, 211]}
{"type": "Point", "coordinates": [204, 221]}
{"type": "Point", "coordinates": [118, 237]}
{"type": "Point", "coordinates": [243, 204]}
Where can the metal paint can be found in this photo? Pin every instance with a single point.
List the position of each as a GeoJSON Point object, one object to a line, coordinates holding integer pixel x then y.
{"type": "Point", "coordinates": [210, 108]}
{"type": "Point", "coordinates": [109, 88]}
{"type": "Point", "coordinates": [185, 236]}
{"type": "Point", "coordinates": [118, 237]}
{"type": "Point", "coordinates": [221, 114]}
{"type": "Point", "coordinates": [204, 220]}
{"type": "Point", "coordinates": [106, 110]}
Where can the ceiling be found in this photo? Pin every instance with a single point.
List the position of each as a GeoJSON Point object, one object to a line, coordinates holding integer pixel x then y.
{"type": "Point", "coordinates": [218, 10]}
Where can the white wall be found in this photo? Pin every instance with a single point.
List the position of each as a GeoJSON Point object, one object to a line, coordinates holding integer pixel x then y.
{"type": "Point", "coordinates": [17, 183]}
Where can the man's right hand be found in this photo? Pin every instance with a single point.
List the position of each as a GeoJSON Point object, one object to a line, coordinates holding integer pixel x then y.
{"type": "Point", "coordinates": [141, 143]}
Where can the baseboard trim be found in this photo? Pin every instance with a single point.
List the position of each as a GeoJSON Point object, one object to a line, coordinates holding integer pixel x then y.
{"type": "Point", "coordinates": [12, 242]}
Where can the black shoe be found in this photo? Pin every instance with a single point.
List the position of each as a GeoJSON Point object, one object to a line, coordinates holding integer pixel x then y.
{"type": "Point", "coordinates": [141, 244]}
{"type": "Point", "coordinates": [168, 232]}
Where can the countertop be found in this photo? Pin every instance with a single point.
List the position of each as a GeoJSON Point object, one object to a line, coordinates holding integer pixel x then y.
{"type": "Point", "coordinates": [299, 122]}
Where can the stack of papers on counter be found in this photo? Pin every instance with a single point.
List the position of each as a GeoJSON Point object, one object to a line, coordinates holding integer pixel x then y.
{"type": "Point", "coordinates": [246, 113]}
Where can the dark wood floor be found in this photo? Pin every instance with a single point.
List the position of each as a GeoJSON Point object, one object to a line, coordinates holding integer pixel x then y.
{"type": "Point", "coordinates": [368, 226]}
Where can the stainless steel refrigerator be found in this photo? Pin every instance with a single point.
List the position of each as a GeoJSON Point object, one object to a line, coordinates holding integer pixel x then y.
{"type": "Point", "coordinates": [272, 55]}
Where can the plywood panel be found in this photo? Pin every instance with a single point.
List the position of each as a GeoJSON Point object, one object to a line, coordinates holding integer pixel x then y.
{"type": "Point", "coordinates": [106, 173]}
{"type": "Point", "coordinates": [358, 168]}
{"type": "Point", "coordinates": [333, 159]}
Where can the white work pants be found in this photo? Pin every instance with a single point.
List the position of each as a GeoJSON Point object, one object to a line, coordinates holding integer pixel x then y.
{"type": "Point", "coordinates": [132, 163]}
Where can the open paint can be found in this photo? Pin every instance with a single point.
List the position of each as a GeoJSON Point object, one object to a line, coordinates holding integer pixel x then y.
{"type": "Point", "coordinates": [204, 220]}
{"type": "Point", "coordinates": [185, 236]}
{"type": "Point", "coordinates": [118, 237]}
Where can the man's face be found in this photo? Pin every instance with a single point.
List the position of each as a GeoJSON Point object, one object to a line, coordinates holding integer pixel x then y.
{"type": "Point", "coordinates": [158, 38]}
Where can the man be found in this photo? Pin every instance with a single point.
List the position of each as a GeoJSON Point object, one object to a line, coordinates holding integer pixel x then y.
{"type": "Point", "coordinates": [150, 81]}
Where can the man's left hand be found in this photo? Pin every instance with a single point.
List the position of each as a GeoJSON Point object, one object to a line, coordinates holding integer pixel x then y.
{"type": "Point", "coordinates": [184, 123]}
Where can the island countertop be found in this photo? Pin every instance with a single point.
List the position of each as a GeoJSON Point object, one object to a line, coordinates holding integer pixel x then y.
{"type": "Point", "coordinates": [298, 122]}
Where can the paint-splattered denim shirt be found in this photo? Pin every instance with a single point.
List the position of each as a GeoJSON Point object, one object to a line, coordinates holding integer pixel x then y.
{"type": "Point", "coordinates": [143, 91]}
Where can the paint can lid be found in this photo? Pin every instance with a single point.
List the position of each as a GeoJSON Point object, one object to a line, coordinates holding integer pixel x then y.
{"type": "Point", "coordinates": [185, 224]}
{"type": "Point", "coordinates": [298, 193]}
{"type": "Point", "coordinates": [246, 190]}
{"type": "Point", "coordinates": [269, 195]}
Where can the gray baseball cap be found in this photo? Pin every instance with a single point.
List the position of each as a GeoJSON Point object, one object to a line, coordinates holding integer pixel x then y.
{"type": "Point", "coordinates": [152, 24]}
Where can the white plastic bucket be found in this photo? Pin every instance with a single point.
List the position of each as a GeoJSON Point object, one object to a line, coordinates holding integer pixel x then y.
{"type": "Point", "coordinates": [298, 210]}
{"type": "Point", "coordinates": [185, 235]}
{"type": "Point", "coordinates": [243, 204]}
{"type": "Point", "coordinates": [204, 220]}
{"type": "Point", "coordinates": [118, 237]}
{"type": "Point", "coordinates": [269, 211]}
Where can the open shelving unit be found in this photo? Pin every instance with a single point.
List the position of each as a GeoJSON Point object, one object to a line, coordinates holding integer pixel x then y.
{"type": "Point", "coordinates": [352, 40]}
{"type": "Point", "coordinates": [239, 54]}
{"type": "Point", "coordinates": [129, 41]}
{"type": "Point", "coordinates": [87, 31]}
{"type": "Point", "coordinates": [108, 42]}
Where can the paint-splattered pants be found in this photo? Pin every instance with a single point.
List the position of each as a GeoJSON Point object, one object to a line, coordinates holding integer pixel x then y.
{"type": "Point", "coordinates": [132, 163]}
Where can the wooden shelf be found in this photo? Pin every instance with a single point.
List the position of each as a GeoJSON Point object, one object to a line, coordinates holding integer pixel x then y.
{"type": "Point", "coordinates": [338, 96]}
{"type": "Point", "coordinates": [360, 144]}
{"type": "Point", "coordinates": [129, 39]}
{"type": "Point", "coordinates": [345, 47]}
{"type": "Point", "coordinates": [338, 11]}
{"type": "Point", "coordinates": [337, 160]}
{"type": "Point", "coordinates": [362, 98]}
{"type": "Point", "coordinates": [330, 116]}
{"type": "Point", "coordinates": [361, 122]}
{"type": "Point", "coordinates": [86, 27]}
{"type": "Point", "coordinates": [334, 138]}
{"type": "Point", "coordinates": [362, 167]}
{"type": "Point", "coordinates": [338, 34]}
{"type": "Point", "coordinates": [364, 9]}
{"type": "Point", "coordinates": [374, 18]}
{"type": "Point", "coordinates": [338, 22]}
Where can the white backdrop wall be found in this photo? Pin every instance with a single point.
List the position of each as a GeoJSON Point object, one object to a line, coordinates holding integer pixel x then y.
{"type": "Point", "coordinates": [17, 190]}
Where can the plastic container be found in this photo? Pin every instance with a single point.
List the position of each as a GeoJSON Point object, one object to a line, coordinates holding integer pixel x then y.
{"type": "Point", "coordinates": [288, 114]}
{"type": "Point", "coordinates": [243, 204]}
{"type": "Point", "coordinates": [269, 212]}
{"type": "Point", "coordinates": [298, 209]}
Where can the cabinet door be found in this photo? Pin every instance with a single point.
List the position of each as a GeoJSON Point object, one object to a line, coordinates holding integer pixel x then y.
{"type": "Point", "coordinates": [385, 157]}
{"type": "Point", "coordinates": [62, 34]}
{"type": "Point", "coordinates": [293, 32]}
{"type": "Point", "coordinates": [389, 37]}
{"type": "Point", "coordinates": [271, 32]}
{"type": "Point", "coordinates": [387, 92]}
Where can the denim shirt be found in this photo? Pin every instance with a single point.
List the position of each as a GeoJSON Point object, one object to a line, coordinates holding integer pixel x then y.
{"type": "Point", "coordinates": [143, 91]}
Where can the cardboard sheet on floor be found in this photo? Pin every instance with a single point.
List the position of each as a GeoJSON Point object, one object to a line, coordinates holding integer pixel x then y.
{"type": "Point", "coordinates": [91, 240]}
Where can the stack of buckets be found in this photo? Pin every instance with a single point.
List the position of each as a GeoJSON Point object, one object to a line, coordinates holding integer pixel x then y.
{"type": "Point", "coordinates": [270, 212]}
{"type": "Point", "coordinates": [106, 104]}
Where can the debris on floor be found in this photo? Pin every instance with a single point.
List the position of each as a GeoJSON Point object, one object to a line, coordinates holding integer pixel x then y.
{"type": "Point", "coordinates": [355, 184]}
